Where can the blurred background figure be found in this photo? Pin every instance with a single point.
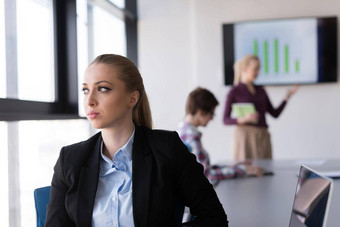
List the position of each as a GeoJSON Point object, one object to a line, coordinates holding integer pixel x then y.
{"type": "Point", "coordinates": [200, 108]}
{"type": "Point", "coordinates": [251, 139]}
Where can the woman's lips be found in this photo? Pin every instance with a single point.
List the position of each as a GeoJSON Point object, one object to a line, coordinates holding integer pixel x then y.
{"type": "Point", "coordinates": [92, 114]}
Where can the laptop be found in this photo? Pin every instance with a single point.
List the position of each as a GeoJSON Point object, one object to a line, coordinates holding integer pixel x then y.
{"type": "Point", "coordinates": [312, 199]}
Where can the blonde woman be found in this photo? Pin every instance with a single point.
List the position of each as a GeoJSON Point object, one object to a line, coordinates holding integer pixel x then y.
{"type": "Point", "coordinates": [251, 139]}
{"type": "Point", "coordinates": [127, 174]}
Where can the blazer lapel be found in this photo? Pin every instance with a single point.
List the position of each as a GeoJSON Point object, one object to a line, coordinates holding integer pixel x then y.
{"type": "Point", "coordinates": [141, 177]}
{"type": "Point", "coordinates": [87, 184]}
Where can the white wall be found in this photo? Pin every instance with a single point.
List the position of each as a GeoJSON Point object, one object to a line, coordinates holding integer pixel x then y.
{"type": "Point", "coordinates": [180, 47]}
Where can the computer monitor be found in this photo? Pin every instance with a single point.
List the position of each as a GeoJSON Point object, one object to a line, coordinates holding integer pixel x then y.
{"type": "Point", "coordinates": [312, 199]}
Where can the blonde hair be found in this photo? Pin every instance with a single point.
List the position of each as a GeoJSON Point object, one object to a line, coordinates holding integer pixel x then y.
{"type": "Point", "coordinates": [240, 65]}
{"type": "Point", "coordinates": [129, 74]}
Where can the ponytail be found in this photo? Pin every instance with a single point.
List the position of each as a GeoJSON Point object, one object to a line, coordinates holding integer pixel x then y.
{"type": "Point", "coordinates": [142, 113]}
{"type": "Point", "coordinates": [129, 74]}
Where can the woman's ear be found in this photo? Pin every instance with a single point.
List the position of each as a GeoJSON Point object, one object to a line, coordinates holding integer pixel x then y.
{"type": "Point", "coordinates": [134, 98]}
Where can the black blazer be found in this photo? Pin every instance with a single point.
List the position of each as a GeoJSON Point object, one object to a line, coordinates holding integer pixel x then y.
{"type": "Point", "coordinates": [163, 173]}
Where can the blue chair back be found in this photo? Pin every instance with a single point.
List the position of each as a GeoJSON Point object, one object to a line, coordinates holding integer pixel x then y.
{"type": "Point", "coordinates": [41, 199]}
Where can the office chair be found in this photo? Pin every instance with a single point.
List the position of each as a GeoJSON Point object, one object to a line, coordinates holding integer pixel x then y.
{"type": "Point", "coordinates": [41, 199]}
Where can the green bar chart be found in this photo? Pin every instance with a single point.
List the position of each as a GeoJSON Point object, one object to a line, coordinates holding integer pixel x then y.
{"type": "Point", "coordinates": [275, 56]}
{"type": "Point", "coordinates": [286, 49]}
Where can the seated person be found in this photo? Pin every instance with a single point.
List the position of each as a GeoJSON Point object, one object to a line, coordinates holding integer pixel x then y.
{"type": "Point", "coordinates": [127, 174]}
{"type": "Point", "coordinates": [200, 108]}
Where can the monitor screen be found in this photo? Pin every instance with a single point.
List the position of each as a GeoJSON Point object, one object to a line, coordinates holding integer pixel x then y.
{"type": "Point", "coordinates": [291, 51]}
{"type": "Point", "coordinates": [311, 199]}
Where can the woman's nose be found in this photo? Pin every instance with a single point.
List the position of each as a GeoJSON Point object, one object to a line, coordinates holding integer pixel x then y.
{"type": "Point", "coordinates": [91, 99]}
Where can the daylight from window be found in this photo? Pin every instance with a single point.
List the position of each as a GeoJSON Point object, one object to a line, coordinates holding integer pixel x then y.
{"type": "Point", "coordinates": [35, 50]}
{"type": "Point", "coordinates": [3, 175]}
{"type": "Point", "coordinates": [2, 52]}
{"type": "Point", "coordinates": [114, 40]}
{"type": "Point", "coordinates": [38, 152]}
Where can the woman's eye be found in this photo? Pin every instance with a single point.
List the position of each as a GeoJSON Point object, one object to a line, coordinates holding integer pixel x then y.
{"type": "Point", "coordinates": [104, 89]}
{"type": "Point", "coordinates": [85, 91]}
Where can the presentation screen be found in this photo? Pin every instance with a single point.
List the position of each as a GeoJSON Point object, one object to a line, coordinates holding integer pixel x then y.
{"type": "Point", "coordinates": [291, 51]}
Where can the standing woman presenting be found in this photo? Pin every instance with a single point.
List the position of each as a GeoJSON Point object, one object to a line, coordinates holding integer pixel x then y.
{"type": "Point", "coordinates": [251, 139]}
{"type": "Point", "coordinates": [128, 174]}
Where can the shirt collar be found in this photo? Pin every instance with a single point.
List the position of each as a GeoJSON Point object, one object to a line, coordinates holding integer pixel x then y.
{"type": "Point", "coordinates": [124, 151]}
{"type": "Point", "coordinates": [190, 129]}
{"type": "Point", "coordinates": [127, 148]}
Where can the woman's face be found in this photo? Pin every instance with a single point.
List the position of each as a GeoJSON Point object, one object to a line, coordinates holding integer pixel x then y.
{"type": "Point", "coordinates": [251, 71]}
{"type": "Point", "coordinates": [106, 100]}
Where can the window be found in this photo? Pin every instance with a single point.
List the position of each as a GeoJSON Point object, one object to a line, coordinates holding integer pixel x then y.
{"type": "Point", "coordinates": [36, 150]}
{"type": "Point", "coordinates": [2, 53]}
{"type": "Point", "coordinates": [40, 59]}
{"type": "Point", "coordinates": [3, 175]}
{"type": "Point", "coordinates": [83, 54]}
{"type": "Point", "coordinates": [118, 3]}
{"type": "Point", "coordinates": [101, 30]}
{"type": "Point", "coordinates": [35, 50]}
{"type": "Point", "coordinates": [27, 64]}
{"type": "Point", "coordinates": [47, 44]}
{"type": "Point", "coordinates": [108, 33]}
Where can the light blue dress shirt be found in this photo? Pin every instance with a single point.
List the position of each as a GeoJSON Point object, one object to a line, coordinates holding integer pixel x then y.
{"type": "Point", "coordinates": [113, 202]}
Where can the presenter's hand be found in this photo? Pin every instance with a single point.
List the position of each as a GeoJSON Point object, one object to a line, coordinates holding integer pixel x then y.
{"type": "Point", "coordinates": [291, 92]}
{"type": "Point", "coordinates": [249, 118]}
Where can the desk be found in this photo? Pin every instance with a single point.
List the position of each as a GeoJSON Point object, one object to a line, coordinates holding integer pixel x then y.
{"type": "Point", "coordinates": [267, 201]}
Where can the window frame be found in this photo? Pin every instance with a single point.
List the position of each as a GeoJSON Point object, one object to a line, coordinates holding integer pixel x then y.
{"type": "Point", "coordinates": [65, 105]}
{"type": "Point", "coordinates": [131, 20]}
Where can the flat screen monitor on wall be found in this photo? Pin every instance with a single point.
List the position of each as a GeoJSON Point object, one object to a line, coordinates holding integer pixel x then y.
{"type": "Point", "coordinates": [291, 51]}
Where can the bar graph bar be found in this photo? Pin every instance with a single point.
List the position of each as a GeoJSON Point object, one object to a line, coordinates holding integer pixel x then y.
{"type": "Point", "coordinates": [297, 66]}
{"type": "Point", "coordinates": [286, 48]}
{"type": "Point", "coordinates": [265, 51]}
{"type": "Point", "coordinates": [276, 56]}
